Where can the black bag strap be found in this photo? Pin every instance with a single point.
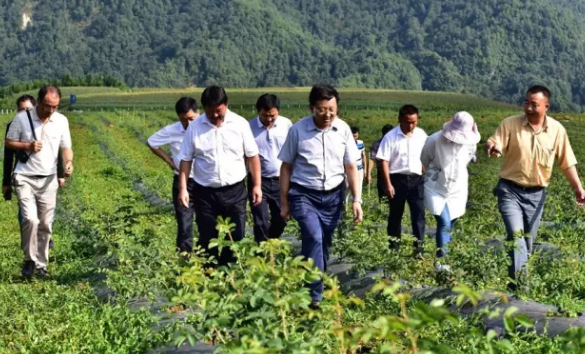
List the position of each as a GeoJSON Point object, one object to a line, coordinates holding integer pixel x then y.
{"type": "Point", "coordinates": [31, 124]}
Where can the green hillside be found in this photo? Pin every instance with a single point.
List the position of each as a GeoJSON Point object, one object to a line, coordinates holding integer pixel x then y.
{"type": "Point", "coordinates": [491, 48]}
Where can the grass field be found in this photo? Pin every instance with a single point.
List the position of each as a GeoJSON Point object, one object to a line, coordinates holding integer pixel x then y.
{"type": "Point", "coordinates": [112, 228]}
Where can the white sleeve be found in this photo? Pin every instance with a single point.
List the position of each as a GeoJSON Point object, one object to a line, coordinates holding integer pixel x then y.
{"type": "Point", "coordinates": [385, 149]}
{"type": "Point", "coordinates": [250, 146]}
{"type": "Point", "coordinates": [187, 152]}
{"type": "Point", "coordinates": [159, 138]}
{"type": "Point", "coordinates": [352, 153]}
{"type": "Point", "coordinates": [15, 130]}
{"type": "Point", "coordinates": [65, 136]}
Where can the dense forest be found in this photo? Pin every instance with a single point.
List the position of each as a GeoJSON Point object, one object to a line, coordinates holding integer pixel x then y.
{"type": "Point", "coordinates": [491, 48]}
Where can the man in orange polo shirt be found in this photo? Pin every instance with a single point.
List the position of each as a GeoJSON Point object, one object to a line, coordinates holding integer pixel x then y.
{"type": "Point", "coordinates": [530, 143]}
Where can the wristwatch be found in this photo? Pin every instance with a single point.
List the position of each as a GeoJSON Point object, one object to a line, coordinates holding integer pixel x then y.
{"type": "Point", "coordinates": [354, 200]}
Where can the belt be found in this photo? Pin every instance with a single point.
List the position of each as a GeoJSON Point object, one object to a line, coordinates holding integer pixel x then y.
{"type": "Point", "coordinates": [331, 191]}
{"type": "Point", "coordinates": [271, 178]}
{"type": "Point", "coordinates": [36, 176]}
{"type": "Point", "coordinates": [523, 188]}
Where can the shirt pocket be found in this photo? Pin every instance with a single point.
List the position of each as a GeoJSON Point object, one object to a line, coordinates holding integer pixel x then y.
{"type": "Point", "coordinates": [545, 154]}
{"type": "Point", "coordinates": [233, 143]}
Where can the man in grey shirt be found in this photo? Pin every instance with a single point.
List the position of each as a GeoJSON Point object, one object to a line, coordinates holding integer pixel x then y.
{"type": "Point", "coordinates": [317, 153]}
{"type": "Point", "coordinates": [270, 131]}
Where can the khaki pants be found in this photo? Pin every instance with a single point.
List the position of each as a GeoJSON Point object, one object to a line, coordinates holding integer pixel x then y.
{"type": "Point", "coordinates": [37, 197]}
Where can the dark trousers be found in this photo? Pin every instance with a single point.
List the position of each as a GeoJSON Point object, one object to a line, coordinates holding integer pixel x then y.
{"type": "Point", "coordinates": [318, 213]}
{"type": "Point", "coordinates": [407, 188]}
{"type": "Point", "coordinates": [267, 226]}
{"type": "Point", "coordinates": [227, 202]}
{"type": "Point", "coordinates": [381, 187]}
{"type": "Point", "coordinates": [184, 216]}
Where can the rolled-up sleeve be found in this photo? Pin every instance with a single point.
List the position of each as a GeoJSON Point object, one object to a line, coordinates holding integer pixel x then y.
{"type": "Point", "coordinates": [565, 155]}
{"type": "Point", "coordinates": [501, 136]}
{"type": "Point", "coordinates": [250, 146]}
{"type": "Point", "coordinates": [187, 151]}
{"type": "Point", "coordinates": [15, 130]}
{"type": "Point", "coordinates": [288, 152]}
{"type": "Point", "coordinates": [352, 153]}
{"type": "Point", "coordinates": [65, 142]}
{"type": "Point", "coordinates": [160, 138]}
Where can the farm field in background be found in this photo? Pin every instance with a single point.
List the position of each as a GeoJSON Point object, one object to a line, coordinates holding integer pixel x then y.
{"type": "Point", "coordinates": [108, 233]}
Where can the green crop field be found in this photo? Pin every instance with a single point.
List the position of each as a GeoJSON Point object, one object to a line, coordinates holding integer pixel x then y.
{"type": "Point", "coordinates": [118, 286]}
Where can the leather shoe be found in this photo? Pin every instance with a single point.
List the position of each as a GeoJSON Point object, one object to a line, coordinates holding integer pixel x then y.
{"type": "Point", "coordinates": [28, 269]}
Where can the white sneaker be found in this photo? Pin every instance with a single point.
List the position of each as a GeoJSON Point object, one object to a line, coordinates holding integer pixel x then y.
{"type": "Point", "coordinates": [442, 268]}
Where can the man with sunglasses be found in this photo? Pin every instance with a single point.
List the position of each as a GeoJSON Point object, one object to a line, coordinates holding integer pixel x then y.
{"type": "Point", "coordinates": [37, 135]}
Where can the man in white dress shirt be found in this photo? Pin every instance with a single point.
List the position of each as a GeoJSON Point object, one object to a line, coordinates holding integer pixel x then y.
{"type": "Point", "coordinates": [216, 148]}
{"type": "Point", "coordinates": [270, 131]}
{"type": "Point", "coordinates": [400, 152]}
{"type": "Point", "coordinates": [173, 135]}
{"type": "Point", "coordinates": [37, 134]}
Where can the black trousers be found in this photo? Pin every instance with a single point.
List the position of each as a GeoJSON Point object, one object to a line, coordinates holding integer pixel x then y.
{"type": "Point", "coordinates": [184, 216]}
{"type": "Point", "coordinates": [209, 203]}
{"type": "Point", "coordinates": [381, 187]}
{"type": "Point", "coordinates": [267, 220]}
{"type": "Point", "coordinates": [408, 188]}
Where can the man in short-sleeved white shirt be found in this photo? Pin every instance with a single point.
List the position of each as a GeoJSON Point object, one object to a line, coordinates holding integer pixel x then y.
{"type": "Point", "coordinates": [270, 130]}
{"type": "Point", "coordinates": [215, 149]}
{"type": "Point", "coordinates": [400, 152]}
{"type": "Point", "coordinates": [317, 153]}
{"type": "Point", "coordinates": [35, 175]}
{"type": "Point", "coordinates": [172, 135]}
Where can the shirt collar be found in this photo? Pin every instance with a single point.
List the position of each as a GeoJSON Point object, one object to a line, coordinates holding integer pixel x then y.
{"type": "Point", "coordinates": [35, 116]}
{"type": "Point", "coordinates": [311, 124]}
{"type": "Point", "coordinates": [404, 135]}
{"type": "Point", "coordinates": [260, 125]}
{"type": "Point", "coordinates": [226, 120]}
{"type": "Point", "coordinates": [525, 123]}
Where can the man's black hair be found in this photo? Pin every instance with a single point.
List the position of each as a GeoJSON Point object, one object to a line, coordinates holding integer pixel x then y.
{"type": "Point", "coordinates": [322, 92]}
{"type": "Point", "coordinates": [386, 129]}
{"type": "Point", "coordinates": [539, 89]}
{"type": "Point", "coordinates": [267, 101]}
{"type": "Point", "coordinates": [407, 110]}
{"type": "Point", "coordinates": [25, 98]}
{"type": "Point", "coordinates": [214, 96]}
{"type": "Point", "coordinates": [185, 104]}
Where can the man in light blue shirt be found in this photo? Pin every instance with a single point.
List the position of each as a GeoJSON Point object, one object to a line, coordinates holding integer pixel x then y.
{"type": "Point", "coordinates": [317, 153]}
{"type": "Point", "coordinates": [270, 131]}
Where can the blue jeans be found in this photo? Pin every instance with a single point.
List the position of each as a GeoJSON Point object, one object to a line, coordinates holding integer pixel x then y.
{"type": "Point", "coordinates": [444, 227]}
{"type": "Point", "coordinates": [521, 209]}
{"type": "Point", "coordinates": [318, 213]}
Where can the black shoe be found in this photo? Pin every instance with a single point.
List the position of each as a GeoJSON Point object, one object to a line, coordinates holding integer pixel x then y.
{"type": "Point", "coordinates": [42, 273]}
{"type": "Point", "coordinates": [51, 244]}
{"type": "Point", "coordinates": [315, 306]}
{"type": "Point", "coordinates": [28, 269]}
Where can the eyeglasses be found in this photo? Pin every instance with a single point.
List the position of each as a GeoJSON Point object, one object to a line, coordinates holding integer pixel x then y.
{"type": "Point", "coordinates": [323, 111]}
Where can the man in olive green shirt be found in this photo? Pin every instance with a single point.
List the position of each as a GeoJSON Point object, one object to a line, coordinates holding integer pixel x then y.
{"type": "Point", "coordinates": [530, 142]}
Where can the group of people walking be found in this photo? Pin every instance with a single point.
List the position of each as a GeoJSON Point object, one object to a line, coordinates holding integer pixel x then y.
{"type": "Point", "coordinates": [221, 161]}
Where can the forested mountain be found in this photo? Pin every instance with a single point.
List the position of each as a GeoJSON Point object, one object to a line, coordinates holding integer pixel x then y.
{"type": "Point", "coordinates": [493, 48]}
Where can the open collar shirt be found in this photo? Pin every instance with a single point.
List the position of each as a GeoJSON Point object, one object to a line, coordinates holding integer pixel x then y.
{"type": "Point", "coordinates": [270, 142]}
{"type": "Point", "coordinates": [403, 152]}
{"type": "Point", "coordinates": [318, 157]}
{"type": "Point", "coordinates": [54, 134]}
{"type": "Point", "coordinates": [218, 153]}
